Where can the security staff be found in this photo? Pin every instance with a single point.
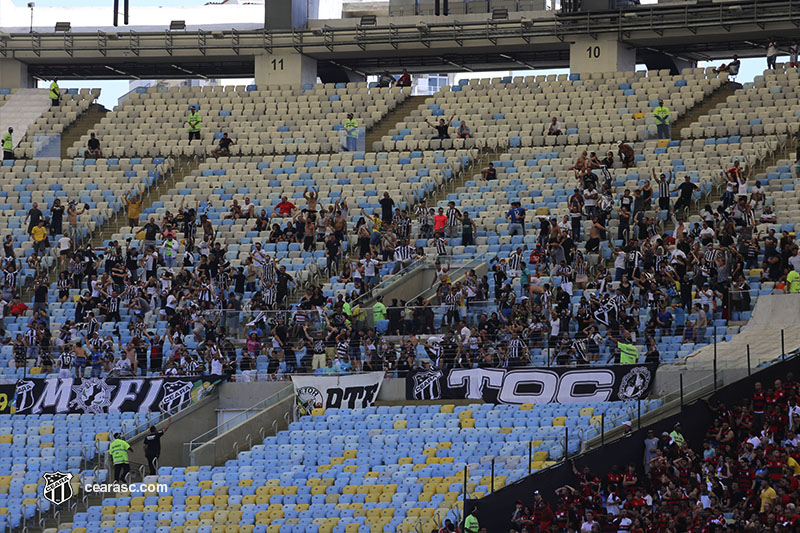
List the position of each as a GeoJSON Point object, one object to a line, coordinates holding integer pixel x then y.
{"type": "Point", "coordinates": [351, 132]}
{"type": "Point", "coordinates": [8, 145]}
{"type": "Point", "coordinates": [118, 449]}
{"type": "Point", "coordinates": [55, 94]}
{"type": "Point", "coordinates": [662, 120]}
{"type": "Point", "coordinates": [195, 121]}
{"type": "Point", "coordinates": [152, 446]}
{"type": "Point", "coordinates": [471, 522]}
{"type": "Point", "coordinates": [628, 352]}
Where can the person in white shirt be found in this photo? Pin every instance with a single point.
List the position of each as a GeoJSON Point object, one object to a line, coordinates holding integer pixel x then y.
{"type": "Point", "coordinates": [624, 523]}
{"type": "Point", "coordinates": [64, 246]}
{"type": "Point", "coordinates": [555, 127]}
{"type": "Point", "coordinates": [772, 53]}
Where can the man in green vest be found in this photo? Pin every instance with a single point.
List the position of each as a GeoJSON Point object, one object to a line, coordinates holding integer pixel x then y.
{"type": "Point", "coordinates": [662, 120]}
{"type": "Point", "coordinates": [55, 94]}
{"type": "Point", "coordinates": [351, 133]}
{"type": "Point", "coordinates": [195, 121]}
{"type": "Point", "coordinates": [8, 145]}
{"type": "Point", "coordinates": [378, 311]}
{"type": "Point", "coordinates": [628, 352]}
{"type": "Point", "coordinates": [471, 522]}
{"type": "Point", "coordinates": [118, 449]}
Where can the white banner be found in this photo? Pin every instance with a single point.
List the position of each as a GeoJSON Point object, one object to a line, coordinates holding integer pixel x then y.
{"type": "Point", "coordinates": [354, 391]}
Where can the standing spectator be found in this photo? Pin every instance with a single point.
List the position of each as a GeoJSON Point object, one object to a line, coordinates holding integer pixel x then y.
{"type": "Point", "coordinates": [516, 219]}
{"type": "Point", "coordinates": [39, 236]}
{"type": "Point", "coordinates": [351, 133]}
{"type": "Point", "coordinates": [387, 208]}
{"type": "Point", "coordinates": [33, 217]}
{"type": "Point", "coordinates": [626, 154]}
{"type": "Point", "coordinates": [92, 147]}
{"type": "Point", "coordinates": [772, 52]}
{"type": "Point", "coordinates": [685, 198]}
{"type": "Point", "coordinates": [468, 230]}
{"type": "Point", "coordinates": [195, 122]}
{"type": "Point", "coordinates": [663, 189]}
{"type": "Point", "coordinates": [555, 127]}
{"type": "Point", "coordinates": [152, 446]}
{"type": "Point", "coordinates": [661, 113]}
{"type": "Point", "coordinates": [56, 218]}
{"type": "Point", "coordinates": [8, 145]}
{"type": "Point", "coordinates": [134, 209]}
{"type": "Point", "coordinates": [793, 53]}
{"type": "Point", "coordinates": [55, 94]}
{"type": "Point", "coordinates": [404, 80]}
{"type": "Point", "coordinates": [72, 218]}
{"type": "Point", "coordinates": [224, 146]}
{"type": "Point", "coordinates": [439, 222]}
{"type": "Point", "coordinates": [441, 128]}
{"type": "Point", "coordinates": [453, 219]}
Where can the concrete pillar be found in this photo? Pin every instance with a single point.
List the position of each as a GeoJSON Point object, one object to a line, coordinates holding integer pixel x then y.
{"type": "Point", "coordinates": [604, 54]}
{"type": "Point", "coordinates": [284, 67]}
{"type": "Point", "coordinates": [14, 75]}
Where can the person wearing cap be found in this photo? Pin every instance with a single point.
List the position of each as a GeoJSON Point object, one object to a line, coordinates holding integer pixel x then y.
{"type": "Point", "coordinates": [471, 521]}
{"type": "Point", "coordinates": [195, 122]}
{"type": "Point", "coordinates": [351, 133]}
{"type": "Point", "coordinates": [677, 436]}
{"type": "Point", "coordinates": [118, 450]}
{"type": "Point", "coordinates": [661, 113]}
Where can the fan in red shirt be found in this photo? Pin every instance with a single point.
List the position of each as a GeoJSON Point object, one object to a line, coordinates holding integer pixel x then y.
{"type": "Point", "coordinates": [449, 527]}
{"type": "Point", "coordinates": [285, 207]}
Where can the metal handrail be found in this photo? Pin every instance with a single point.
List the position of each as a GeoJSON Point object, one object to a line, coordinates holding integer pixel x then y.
{"type": "Point", "coordinates": [241, 417]}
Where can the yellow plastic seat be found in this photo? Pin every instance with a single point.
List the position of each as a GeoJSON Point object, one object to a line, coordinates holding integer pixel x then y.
{"type": "Point", "coordinates": [48, 430]}
{"type": "Point", "coordinates": [318, 411]}
{"type": "Point", "coordinates": [586, 411]}
{"type": "Point", "coordinates": [400, 424]}
{"type": "Point", "coordinates": [526, 407]}
{"type": "Point", "coordinates": [540, 456]}
{"type": "Point", "coordinates": [350, 454]}
{"type": "Point", "coordinates": [448, 408]}
{"type": "Point", "coordinates": [467, 423]}
{"type": "Point", "coordinates": [560, 421]}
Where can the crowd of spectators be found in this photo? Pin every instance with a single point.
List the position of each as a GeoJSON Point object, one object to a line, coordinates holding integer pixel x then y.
{"type": "Point", "coordinates": [743, 476]}
{"type": "Point", "coordinates": [681, 277]}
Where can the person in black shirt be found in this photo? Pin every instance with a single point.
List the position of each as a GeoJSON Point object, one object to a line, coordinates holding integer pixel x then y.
{"type": "Point", "coordinates": [56, 218]}
{"type": "Point", "coordinates": [489, 173]}
{"type": "Point", "coordinates": [387, 208]}
{"type": "Point", "coordinates": [152, 446]}
{"type": "Point", "coordinates": [93, 147]}
{"type": "Point", "coordinates": [441, 128]}
{"type": "Point", "coordinates": [332, 247]}
{"type": "Point", "coordinates": [685, 199]}
{"type": "Point", "coordinates": [224, 147]}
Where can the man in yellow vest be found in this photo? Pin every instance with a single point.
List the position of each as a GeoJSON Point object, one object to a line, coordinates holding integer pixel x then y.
{"type": "Point", "coordinates": [195, 121]}
{"type": "Point", "coordinates": [351, 133]}
{"type": "Point", "coordinates": [8, 145]}
{"type": "Point", "coordinates": [628, 352]}
{"type": "Point", "coordinates": [55, 94]}
{"type": "Point", "coordinates": [118, 449]}
{"type": "Point", "coordinates": [471, 522]}
{"type": "Point", "coordinates": [662, 120]}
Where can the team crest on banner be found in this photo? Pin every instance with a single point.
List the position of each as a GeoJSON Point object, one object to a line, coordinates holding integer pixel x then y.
{"type": "Point", "coordinates": [634, 384]}
{"type": "Point", "coordinates": [426, 385]}
{"type": "Point", "coordinates": [24, 398]}
{"type": "Point", "coordinates": [175, 394]}
{"type": "Point", "coordinates": [308, 398]}
{"type": "Point", "coordinates": [92, 395]}
{"type": "Point", "coordinates": [57, 487]}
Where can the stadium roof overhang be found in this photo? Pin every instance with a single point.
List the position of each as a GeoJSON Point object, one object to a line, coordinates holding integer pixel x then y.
{"type": "Point", "coordinates": [444, 44]}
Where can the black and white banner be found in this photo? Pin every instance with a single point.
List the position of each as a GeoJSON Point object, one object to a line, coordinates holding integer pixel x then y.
{"type": "Point", "coordinates": [606, 314]}
{"type": "Point", "coordinates": [110, 395]}
{"type": "Point", "coordinates": [533, 385]}
{"type": "Point", "coordinates": [354, 391]}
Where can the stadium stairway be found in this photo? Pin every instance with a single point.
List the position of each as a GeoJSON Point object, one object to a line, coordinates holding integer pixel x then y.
{"type": "Point", "coordinates": [707, 104]}
{"type": "Point", "coordinates": [398, 114]}
{"type": "Point", "coordinates": [82, 126]}
{"type": "Point", "coordinates": [24, 107]}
